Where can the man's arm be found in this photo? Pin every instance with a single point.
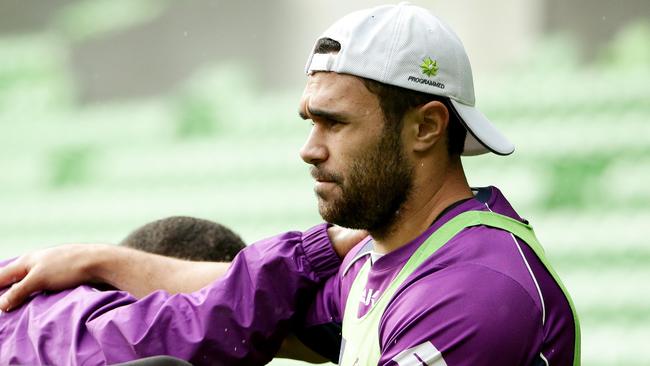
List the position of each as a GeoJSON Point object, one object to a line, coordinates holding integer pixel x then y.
{"type": "Point", "coordinates": [239, 319]}
{"type": "Point", "coordinates": [136, 272]}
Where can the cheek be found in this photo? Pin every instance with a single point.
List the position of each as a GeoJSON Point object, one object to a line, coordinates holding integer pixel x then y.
{"type": "Point", "coordinates": [355, 164]}
{"type": "Point", "coordinates": [349, 154]}
{"type": "Point", "coordinates": [357, 141]}
{"type": "Point", "coordinates": [351, 147]}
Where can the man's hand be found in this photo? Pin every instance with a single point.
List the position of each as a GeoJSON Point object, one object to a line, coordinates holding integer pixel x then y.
{"type": "Point", "coordinates": [343, 240]}
{"type": "Point", "coordinates": [52, 269]}
{"type": "Point", "coordinates": [127, 269]}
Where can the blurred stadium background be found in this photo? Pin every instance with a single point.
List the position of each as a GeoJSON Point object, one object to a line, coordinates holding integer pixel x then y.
{"type": "Point", "coordinates": [114, 113]}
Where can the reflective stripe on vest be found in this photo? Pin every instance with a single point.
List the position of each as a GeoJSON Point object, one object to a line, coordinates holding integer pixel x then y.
{"type": "Point", "coordinates": [360, 346]}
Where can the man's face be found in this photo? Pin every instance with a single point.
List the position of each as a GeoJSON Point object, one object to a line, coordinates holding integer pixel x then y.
{"type": "Point", "coordinates": [362, 173]}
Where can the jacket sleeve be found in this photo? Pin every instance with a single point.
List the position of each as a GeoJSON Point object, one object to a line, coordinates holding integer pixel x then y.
{"type": "Point", "coordinates": [237, 320]}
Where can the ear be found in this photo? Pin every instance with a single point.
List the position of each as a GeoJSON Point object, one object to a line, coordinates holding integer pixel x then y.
{"type": "Point", "coordinates": [430, 125]}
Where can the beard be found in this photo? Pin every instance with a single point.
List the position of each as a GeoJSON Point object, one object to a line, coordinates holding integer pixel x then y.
{"type": "Point", "coordinates": [373, 192]}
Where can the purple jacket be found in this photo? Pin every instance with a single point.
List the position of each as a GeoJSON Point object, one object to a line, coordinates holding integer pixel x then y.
{"type": "Point", "coordinates": [481, 299]}
{"type": "Point", "coordinates": [238, 320]}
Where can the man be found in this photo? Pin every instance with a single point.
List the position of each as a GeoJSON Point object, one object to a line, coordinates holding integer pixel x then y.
{"type": "Point", "coordinates": [448, 275]}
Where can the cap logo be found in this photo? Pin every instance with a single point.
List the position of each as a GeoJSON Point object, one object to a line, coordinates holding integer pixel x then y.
{"type": "Point", "coordinates": [429, 67]}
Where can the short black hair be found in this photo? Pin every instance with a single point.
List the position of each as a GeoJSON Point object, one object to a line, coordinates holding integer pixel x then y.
{"type": "Point", "coordinates": [395, 101]}
{"type": "Point", "coordinates": [187, 238]}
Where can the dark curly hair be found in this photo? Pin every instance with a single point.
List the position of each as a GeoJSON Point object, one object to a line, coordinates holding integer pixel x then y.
{"type": "Point", "coordinates": [187, 238]}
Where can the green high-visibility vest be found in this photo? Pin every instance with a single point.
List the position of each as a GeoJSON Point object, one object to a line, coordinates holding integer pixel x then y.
{"type": "Point", "coordinates": [361, 335]}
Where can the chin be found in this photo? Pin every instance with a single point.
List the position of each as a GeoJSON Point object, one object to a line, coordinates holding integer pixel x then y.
{"type": "Point", "coordinates": [327, 212]}
{"type": "Point", "coordinates": [323, 210]}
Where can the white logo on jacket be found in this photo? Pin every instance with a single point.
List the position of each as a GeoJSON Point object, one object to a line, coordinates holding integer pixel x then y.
{"type": "Point", "coordinates": [425, 354]}
{"type": "Point", "coordinates": [369, 297]}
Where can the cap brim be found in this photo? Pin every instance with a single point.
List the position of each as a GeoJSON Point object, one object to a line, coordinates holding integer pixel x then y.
{"type": "Point", "coordinates": [482, 136]}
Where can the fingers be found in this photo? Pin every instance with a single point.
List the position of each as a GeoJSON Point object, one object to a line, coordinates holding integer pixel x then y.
{"type": "Point", "coordinates": [11, 273]}
{"type": "Point", "coordinates": [355, 236]}
{"type": "Point", "coordinates": [5, 300]}
{"type": "Point", "coordinates": [343, 240]}
{"type": "Point", "coordinates": [18, 292]}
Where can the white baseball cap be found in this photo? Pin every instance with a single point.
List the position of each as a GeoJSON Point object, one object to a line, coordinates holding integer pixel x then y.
{"type": "Point", "coordinates": [406, 46]}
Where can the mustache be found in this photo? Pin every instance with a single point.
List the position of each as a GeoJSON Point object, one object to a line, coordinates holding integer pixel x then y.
{"type": "Point", "coordinates": [322, 175]}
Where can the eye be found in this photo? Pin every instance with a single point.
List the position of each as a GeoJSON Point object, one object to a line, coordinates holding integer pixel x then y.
{"type": "Point", "coordinates": [328, 124]}
{"type": "Point", "coordinates": [333, 123]}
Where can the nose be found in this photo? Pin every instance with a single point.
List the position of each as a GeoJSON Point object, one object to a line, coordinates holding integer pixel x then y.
{"type": "Point", "coordinates": [313, 151]}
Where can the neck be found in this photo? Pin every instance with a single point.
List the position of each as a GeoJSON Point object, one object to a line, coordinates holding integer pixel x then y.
{"type": "Point", "coordinates": [432, 192]}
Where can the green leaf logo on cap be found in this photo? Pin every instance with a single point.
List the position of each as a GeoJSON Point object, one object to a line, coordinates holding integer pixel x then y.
{"type": "Point", "coordinates": [429, 67]}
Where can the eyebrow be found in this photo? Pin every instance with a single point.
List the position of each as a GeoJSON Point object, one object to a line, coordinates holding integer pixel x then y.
{"type": "Point", "coordinates": [319, 113]}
